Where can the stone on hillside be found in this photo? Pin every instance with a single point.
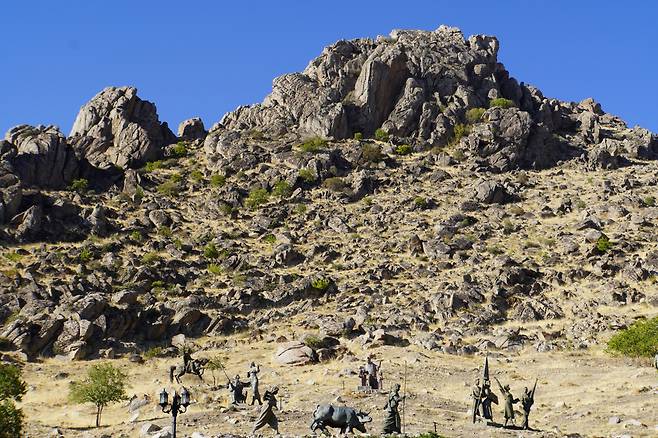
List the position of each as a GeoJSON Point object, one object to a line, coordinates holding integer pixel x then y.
{"type": "Point", "coordinates": [11, 193]}
{"type": "Point", "coordinates": [43, 157]}
{"type": "Point", "coordinates": [192, 129]}
{"type": "Point", "coordinates": [117, 128]}
{"type": "Point", "coordinates": [491, 192]}
{"type": "Point", "coordinates": [30, 224]}
{"type": "Point", "coordinates": [295, 353]}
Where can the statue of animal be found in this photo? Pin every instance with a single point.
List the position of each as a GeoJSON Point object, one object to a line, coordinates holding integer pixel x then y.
{"type": "Point", "coordinates": [197, 368]}
{"type": "Point", "coordinates": [339, 417]}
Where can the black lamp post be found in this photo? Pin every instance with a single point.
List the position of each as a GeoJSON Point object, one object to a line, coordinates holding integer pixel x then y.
{"type": "Point", "coordinates": [178, 405]}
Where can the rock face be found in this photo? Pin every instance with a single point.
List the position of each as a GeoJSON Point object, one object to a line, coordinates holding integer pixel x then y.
{"type": "Point", "coordinates": [419, 87]}
{"type": "Point", "coordinates": [295, 353]}
{"type": "Point", "coordinates": [117, 128]}
{"type": "Point", "coordinates": [192, 129]}
{"type": "Point", "coordinates": [11, 193]}
{"type": "Point", "coordinates": [43, 158]}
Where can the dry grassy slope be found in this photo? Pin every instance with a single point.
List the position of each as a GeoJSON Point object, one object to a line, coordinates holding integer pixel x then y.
{"type": "Point", "coordinates": [593, 385]}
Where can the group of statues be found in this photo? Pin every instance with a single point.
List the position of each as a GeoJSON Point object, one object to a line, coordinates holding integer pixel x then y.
{"type": "Point", "coordinates": [484, 397]}
{"type": "Point", "coordinates": [348, 419]}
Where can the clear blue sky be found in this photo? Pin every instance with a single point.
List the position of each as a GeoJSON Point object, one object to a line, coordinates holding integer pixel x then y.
{"type": "Point", "coordinates": [203, 58]}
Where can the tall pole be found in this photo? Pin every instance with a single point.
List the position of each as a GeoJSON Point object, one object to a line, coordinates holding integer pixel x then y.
{"type": "Point", "coordinates": [173, 424]}
{"type": "Point", "coordinates": [404, 399]}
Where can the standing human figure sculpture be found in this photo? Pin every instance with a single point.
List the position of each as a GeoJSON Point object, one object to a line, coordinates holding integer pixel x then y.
{"type": "Point", "coordinates": [509, 402]}
{"type": "Point", "coordinates": [187, 361]}
{"type": "Point", "coordinates": [372, 371]}
{"type": "Point", "coordinates": [527, 400]}
{"type": "Point", "coordinates": [392, 423]}
{"type": "Point", "coordinates": [266, 416]}
{"type": "Point", "coordinates": [486, 398]}
{"type": "Point", "coordinates": [253, 379]}
{"type": "Point", "coordinates": [236, 387]}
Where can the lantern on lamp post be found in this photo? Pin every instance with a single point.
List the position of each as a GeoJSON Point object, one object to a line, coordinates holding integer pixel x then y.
{"type": "Point", "coordinates": [179, 404]}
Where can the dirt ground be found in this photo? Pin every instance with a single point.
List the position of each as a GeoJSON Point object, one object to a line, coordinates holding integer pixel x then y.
{"type": "Point", "coordinates": [577, 392]}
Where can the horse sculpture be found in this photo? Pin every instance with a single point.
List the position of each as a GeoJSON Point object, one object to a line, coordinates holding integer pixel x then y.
{"type": "Point", "coordinates": [196, 367]}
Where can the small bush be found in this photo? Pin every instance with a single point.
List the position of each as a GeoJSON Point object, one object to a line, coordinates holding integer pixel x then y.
{"type": "Point", "coordinates": [321, 283]}
{"type": "Point", "coordinates": [508, 227]}
{"type": "Point", "coordinates": [495, 250]}
{"type": "Point", "coordinates": [210, 251]}
{"type": "Point", "coordinates": [603, 244]}
{"type": "Point", "coordinates": [79, 185]}
{"type": "Point", "coordinates": [335, 184]}
{"type": "Point", "coordinates": [12, 389]}
{"type": "Point", "coordinates": [358, 136]}
{"type": "Point", "coordinates": [196, 176]}
{"type": "Point", "coordinates": [307, 175]}
{"type": "Point", "coordinates": [176, 177]}
{"type": "Point", "coordinates": [85, 255]}
{"type": "Point", "coordinates": [381, 135]}
{"type": "Point", "coordinates": [136, 236]}
{"type": "Point", "coordinates": [270, 238]}
{"type": "Point", "coordinates": [403, 149]}
{"type": "Point", "coordinates": [153, 353]}
{"type": "Point", "coordinates": [169, 188]}
{"type": "Point", "coordinates": [420, 202]}
{"type": "Point", "coordinates": [180, 150]}
{"type": "Point", "coordinates": [638, 340]}
{"type": "Point", "coordinates": [649, 201]}
{"type": "Point", "coordinates": [313, 341]}
{"type": "Point", "coordinates": [300, 208]}
{"type": "Point", "coordinates": [154, 165]}
{"type": "Point", "coordinates": [501, 102]}
{"type": "Point", "coordinates": [460, 130]}
{"type": "Point", "coordinates": [150, 258]}
{"type": "Point", "coordinates": [371, 153]}
{"type": "Point", "coordinates": [217, 180]}
{"type": "Point", "coordinates": [474, 115]}
{"type": "Point", "coordinates": [13, 256]}
{"type": "Point", "coordinates": [165, 231]}
{"type": "Point", "coordinates": [313, 145]}
{"type": "Point", "coordinates": [282, 189]}
{"type": "Point", "coordinates": [226, 209]}
{"type": "Point", "coordinates": [215, 269]}
{"type": "Point", "coordinates": [256, 198]}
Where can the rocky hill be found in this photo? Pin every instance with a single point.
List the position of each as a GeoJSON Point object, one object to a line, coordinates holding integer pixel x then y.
{"type": "Point", "coordinates": [400, 190]}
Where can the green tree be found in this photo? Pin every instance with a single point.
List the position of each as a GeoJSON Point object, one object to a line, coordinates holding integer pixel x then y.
{"type": "Point", "coordinates": [103, 385]}
{"type": "Point", "coordinates": [12, 388]}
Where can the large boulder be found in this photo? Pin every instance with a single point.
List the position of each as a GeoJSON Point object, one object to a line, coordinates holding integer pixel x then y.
{"type": "Point", "coordinates": [192, 129]}
{"type": "Point", "coordinates": [295, 353]}
{"type": "Point", "coordinates": [117, 128]}
{"type": "Point", "coordinates": [11, 193]}
{"type": "Point", "coordinates": [42, 158]}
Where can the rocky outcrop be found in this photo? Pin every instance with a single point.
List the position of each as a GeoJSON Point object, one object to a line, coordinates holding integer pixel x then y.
{"type": "Point", "coordinates": [117, 128]}
{"type": "Point", "coordinates": [11, 193]}
{"type": "Point", "coordinates": [192, 129]}
{"type": "Point", "coordinates": [42, 157]}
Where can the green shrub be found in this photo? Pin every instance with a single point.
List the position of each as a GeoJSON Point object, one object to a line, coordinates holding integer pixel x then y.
{"type": "Point", "coordinates": [103, 385]}
{"type": "Point", "coordinates": [358, 136]}
{"type": "Point", "coordinates": [12, 389]}
{"type": "Point", "coordinates": [270, 238]}
{"type": "Point", "coordinates": [226, 209]}
{"type": "Point", "coordinates": [256, 198]}
{"type": "Point", "coordinates": [169, 188]}
{"type": "Point", "coordinates": [180, 150]}
{"type": "Point", "coordinates": [217, 180]}
{"type": "Point", "coordinates": [136, 236]}
{"type": "Point", "coordinates": [196, 176]}
{"type": "Point", "coordinates": [165, 231]}
{"type": "Point", "coordinates": [474, 115]}
{"type": "Point", "coordinates": [158, 284]}
{"type": "Point", "coordinates": [649, 201]}
{"type": "Point", "coordinates": [79, 185]}
{"type": "Point", "coordinates": [381, 135]}
{"type": "Point", "coordinates": [603, 243]}
{"type": "Point", "coordinates": [85, 255]}
{"type": "Point", "coordinates": [282, 189]}
{"type": "Point", "coordinates": [300, 208]}
{"type": "Point", "coordinates": [307, 175]}
{"type": "Point", "coordinates": [495, 250]}
{"type": "Point", "coordinates": [153, 352]}
{"type": "Point", "coordinates": [501, 102]}
{"type": "Point", "coordinates": [420, 202]}
{"type": "Point", "coordinates": [313, 341]}
{"type": "Point", "coordinates": [403, 149]}
{"type": "Point", "coordinates": [638, 340]}
{"type": "Point", "coordinates": [150, 258]}
{"type": "Point", "coordinates": [13, 256]}
{"type": "Point", "coordinates": [176, 177]}
{"type": "Point", "coordinates": [154, 165]}
{"type": "Point", "coordinates": [215, 269]}
{"type": "Point", "coordinates": [210, 251]}
{"type": "Point", "coordinates": [508, 227]}
{"type": "Point", "coordinates": [460, 130]}
{"type": "Point", "coordinates": [335, 184]}
{"type": "Point", "coordinates": [371, 153]}
{"type": "Point", "coordinates": [321, 284]}
{"type": "Point", "coordinates": [313, 145]}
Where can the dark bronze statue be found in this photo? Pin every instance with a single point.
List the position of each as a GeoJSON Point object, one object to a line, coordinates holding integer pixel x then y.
{"type": "Point", "coordinates": [190, 366]}
{"type": "Point", "coordinates": [266, 416]}
{"type": "Point", "coordinates": [483, 396]}
{"type": "Point", "coordinates": [236, 387]}
{"type": "Point", "coordinates": [253, 379]}
{"type": "Point", "coordinates": [392, 423]}
{"type": "Point", "coordinates": [527, 400]}
{"type": "Point", "coordinates": [509, 402]}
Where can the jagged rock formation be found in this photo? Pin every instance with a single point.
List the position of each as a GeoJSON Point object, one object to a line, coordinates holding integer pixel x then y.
{"type": "Point", "coordinates": [117, 128]}
{"type": "Point", "coordinates": [418, 86]}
